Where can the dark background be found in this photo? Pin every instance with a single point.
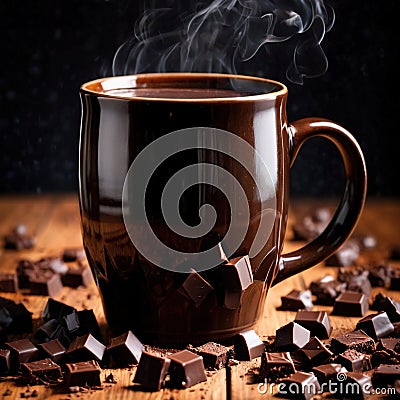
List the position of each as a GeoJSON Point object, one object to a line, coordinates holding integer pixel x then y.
{"type": "Point", "coordinates": [49, 48]}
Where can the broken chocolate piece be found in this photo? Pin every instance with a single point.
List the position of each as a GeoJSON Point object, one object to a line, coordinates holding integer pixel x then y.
{"type": "Point", "coordinates": [314, 353]}
{"type": "Point", "coordinates": [125, 349]}
{"type": "Point", "coordinates": [300, 385]}
{"type": "Point", "coordinates": [17, 241]}
{"type": "Point", "coordinates": [151, 371]}
{"type": "Point", "coordinates": [379, 275]}
{"type": "Point", "coordinates": [15, 318]}
{"type": "Point", "coordinates": [385, 303]}
{"type": "Point", "coordinates": [317, 322]}
{"type": "Point", "coordinates": [390, 345]}
{"type": "Point", "coordinates": [248, 345]}
{"type": "Point", "coordinates": [346, 255]}
{"type": "Point", "coordinates": [42, 371]}
{"type": "Point", "coordinates": [77, 276]}
{"type": "Point", "coordinates": [53, 349]}
{"type": "Point", "coordinates": [354, 361]}
{"type": "Point", "coordinates": [356, 279]}
{"type": "Point", "coordinates": [4, 362]}
{"type": "Point", "coordinates": [186, 369]}
{"type": "Point", "coordinates": [328, 372]}
{"type": "Point", "coordinates": [394, 253]}
{"type": "Point", "coordinates": [85, 373]}
{"type": "Point", "coordinates": [215, 355]}
{"type": "Point", "coordinates": [296, 300]}
{"type": "Point", "coordinates": [376, 325]}
{"type": "Point", "coordinates": [73, 254]}
{"type": "Point", "coordinates": [358, 385]}
{"type": "Point", "coordinates": [326, 290]}
{"type": "Point", "coordinates": [21, 351]}
{"type": "Point", "coordinates": [85, 348]}
{"type": "Point", "coordinates": [45, 286]}
{"type": "Point", "coordinates": [236, 274]}
{"type": "Point", "coordinates": [276, 365]}
{"type": "Point", "coordinates": [291, 337]}
{"type": "Point", "coordinates": [395, 280]}
{"type": "Point", "coordinates": [56, 310]}
{"type": "Point", "coordinates": [357, 340]}
{"type": "Point", "coordinates": [196, 288]}
{"type": "Point", "coordinates": [385, 375]}
{"type": "Point", "coordinates": [351, 304]}
{"type": "Point", "coordinates": [8, 283]}
{"type": "Point", "coordinates": [50, 330]}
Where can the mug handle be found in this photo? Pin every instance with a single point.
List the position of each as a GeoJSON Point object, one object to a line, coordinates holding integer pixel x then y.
{"type": "Point", "coordinates": [348, 212]}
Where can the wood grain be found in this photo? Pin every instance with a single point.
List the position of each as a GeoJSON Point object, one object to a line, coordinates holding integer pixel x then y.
{"type": "Point", "coordinates": [54, 219]}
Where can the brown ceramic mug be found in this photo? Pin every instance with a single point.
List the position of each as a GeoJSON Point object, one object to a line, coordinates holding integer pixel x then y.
{"type": "Point", "coordinates": [179, 172]}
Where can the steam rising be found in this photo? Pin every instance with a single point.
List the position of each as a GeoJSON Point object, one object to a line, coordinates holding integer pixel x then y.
{"type": "Point", "coordinates": [254, 37]}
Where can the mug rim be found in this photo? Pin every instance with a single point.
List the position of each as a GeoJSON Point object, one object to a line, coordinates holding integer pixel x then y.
{"type": "Point", "coordinates": [99, 87]}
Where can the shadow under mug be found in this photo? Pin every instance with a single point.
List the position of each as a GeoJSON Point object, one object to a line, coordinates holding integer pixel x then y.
{"type": "Point", "coordinates": [181, 171]}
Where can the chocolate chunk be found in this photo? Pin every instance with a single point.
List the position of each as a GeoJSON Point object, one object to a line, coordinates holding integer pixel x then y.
{"type": "Point", "coordinates": [276, 365]}
{"type": "Point", "coordinates": [42, 371]}
{"type": "Point", "coordinates": [8, 283]}
{"type": "Point", "coordinates": [125, 349]}
{"type": "Point", "coordinates": [88, 324]}
{"type": "Point", "coordinates": [236, 274]}
{"type": "Point", "coordinates": [379, 275]}
{"type": "Point", "coordinates": [85, 373]}
{"type": "Point", "coordinates": [296, 300]}
{"type": "Point", "coordinates": [326, 290]}
{"type": "Point", "coordinates": [186, 369]}
{"type": "Point", "coordinates": [73, 254]}
{"type": "Point", "coordinates": [85, 348]}
{"type": "Point", "coordinates": [45, 285]}
{"type": "Point", "coordinates": [291, 337]}
{"type": "Point", "coordinates": [394, 253]}
{"type": "Point", "coordinates": [56, 310]}
{"type": "Point", "coordinates": [196, 288]}
{"type": "Point", "coordinates": [18, 241]}
{"type": "Point", "coordinates": [317, 322]}
{"type": "Point", "coordinates": [356, 279]}
{"type": "Point", "coordinates": [300, 385]}
{"type": "Point", "coordinates": [48, 331]}
{"type": "Point", "coordinates": [248, 345]}
{"type": "Point", "coordinates": [21, 351]}
{"type": "Point", "coordinates": [77, 276]}
{"type": "Point", "coordinates": [314, 353]}
{"type": "Point", "coordinates": [151, 371]}
{"type": "Point", "coordinates": [215, 355]}
{"type": "Point", "coordinates": [357, 386]}
{"type": "Point", "coordinates": [328, 372]}
{"type": "Point", "coordinates": [385, 375]}
{"type": "Point", "coordinates": [384, 303]}
{"type": "Point", "coordinates": [15, 318]}
{"type": "Point", "coordinates": [351, 304]}
{"type": "Point", "coordinates": [311, 225]}
{"type": "Point", "coordinates": [357, 340]}
{"type": "Point", "coordinates": [354, 361]}
{"type": "Point", "coordinates": [53, 349]}
{"type": "Point", "coordinates": [376, 325]}
{"type": "Point", "coordinates": [379, 357]}
{"type": "Point", "coordinates": [395, 280]}
{"type": "Point", "coordinates": [346, 255]}
{"type": "Point", "coordinates": [390, 344]}
{"type": "Point", "coordinates": [4, 361]}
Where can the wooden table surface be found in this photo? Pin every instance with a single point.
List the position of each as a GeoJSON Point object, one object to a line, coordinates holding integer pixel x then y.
{"type": "Point", "coordinates": [54, 219]}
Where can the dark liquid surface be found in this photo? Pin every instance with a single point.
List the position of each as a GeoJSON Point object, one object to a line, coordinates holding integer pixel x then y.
{"type": "Point", "coordinates": [177, 93]}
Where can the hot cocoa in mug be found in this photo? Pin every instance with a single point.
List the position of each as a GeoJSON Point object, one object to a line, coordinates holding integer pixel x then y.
{"type": "Point", "coordinates": [184, 182]}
